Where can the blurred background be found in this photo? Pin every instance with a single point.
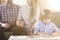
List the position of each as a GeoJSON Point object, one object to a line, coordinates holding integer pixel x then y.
{"type": "Point", "coordinates": [52, 5]}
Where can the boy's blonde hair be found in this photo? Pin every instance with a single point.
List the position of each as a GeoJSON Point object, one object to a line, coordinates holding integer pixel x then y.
{"type": "Point", "coordinates": [47, 14]}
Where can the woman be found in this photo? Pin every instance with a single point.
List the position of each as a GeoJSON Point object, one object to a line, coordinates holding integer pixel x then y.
{"type": "Point", "coordinates": [28, 14]}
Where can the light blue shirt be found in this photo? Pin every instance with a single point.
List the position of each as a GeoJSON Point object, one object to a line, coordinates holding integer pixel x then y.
{"type": "Point", "coordinates": [42, 27]}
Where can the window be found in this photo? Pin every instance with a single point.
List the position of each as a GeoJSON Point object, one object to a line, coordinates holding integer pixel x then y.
{"type": "Point", "coordinates": [55, 5]}
{"type": "Point", "coordinates": [19, 2]}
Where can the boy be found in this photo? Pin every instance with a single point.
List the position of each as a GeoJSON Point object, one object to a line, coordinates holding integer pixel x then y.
{"type": "Point", "coordinates": [46, 26]}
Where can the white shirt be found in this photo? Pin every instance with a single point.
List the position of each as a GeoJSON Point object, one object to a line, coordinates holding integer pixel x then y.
{"type": "Point", "coordinates": [24, 13]}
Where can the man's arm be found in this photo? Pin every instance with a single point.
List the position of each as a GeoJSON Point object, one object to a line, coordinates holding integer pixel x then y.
{"type": "Point", "coordinates": [36, 18]}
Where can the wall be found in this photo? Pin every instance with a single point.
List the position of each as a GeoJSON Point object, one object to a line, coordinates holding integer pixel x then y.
{"type": "Point", "coordinates": [45, 4]}
{"type": "Point", "coordinates": [56, 18]}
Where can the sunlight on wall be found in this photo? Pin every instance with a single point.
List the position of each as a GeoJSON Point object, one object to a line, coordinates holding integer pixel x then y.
{"type": "Point", "coordinates": [50, 4]}
{"type": "Point", "coordinates": [55, 4]}
{"type": "Point", "coordinates": [19, 2]}
{"type": "Point", "coordinates": [44, 4]}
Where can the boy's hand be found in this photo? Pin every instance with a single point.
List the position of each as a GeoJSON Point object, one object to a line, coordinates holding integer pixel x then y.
{"type": "Point", "coordinates": [45, 33]}
{"type": "Point", "coordinates": [55, 34]}
{"type": "Point", "coordinates": [38, 33]}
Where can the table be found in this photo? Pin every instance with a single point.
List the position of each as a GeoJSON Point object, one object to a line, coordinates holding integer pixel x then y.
{"type": "Point", "coordinates": [34, 38]}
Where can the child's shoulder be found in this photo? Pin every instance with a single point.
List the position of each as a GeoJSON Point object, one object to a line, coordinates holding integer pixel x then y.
{"type": "Point", "coordinates": [38, 22]}
{"type": "Point", "coordinates": [52, 23]}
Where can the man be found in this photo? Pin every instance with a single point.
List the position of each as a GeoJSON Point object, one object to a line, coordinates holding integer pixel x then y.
{"type": "Point", "coordinates": [1, 2]}
{"type": "Point", "coordinates": [2, 29]}
{"type": "Point", "coordinates": [9, 12]}
{"type": "Point", "coordinates": [25, 12]}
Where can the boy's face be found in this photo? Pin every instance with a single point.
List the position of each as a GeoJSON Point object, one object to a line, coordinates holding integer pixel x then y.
{"type": "Point", "coordinates": [46, 21]}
